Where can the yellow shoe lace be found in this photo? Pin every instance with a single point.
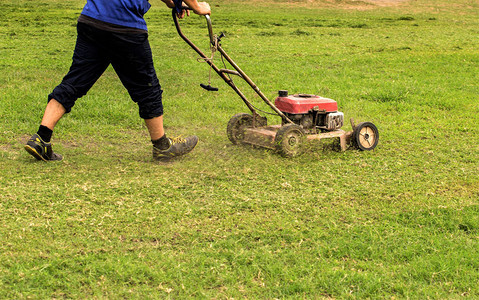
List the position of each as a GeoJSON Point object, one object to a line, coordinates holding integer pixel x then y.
{"type": "Point", "coordinates": [177, 140]}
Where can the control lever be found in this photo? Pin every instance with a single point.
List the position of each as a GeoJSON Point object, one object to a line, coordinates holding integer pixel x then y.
{"type": "Point", "coordinates": [221, 36]}
{"type": "Point", "coordinates": [209, 87]}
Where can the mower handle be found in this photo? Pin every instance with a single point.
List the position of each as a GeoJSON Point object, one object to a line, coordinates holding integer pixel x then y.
{"type": "Point", "coordinates": [210, 29]}
{"type": "Point", "coordinates": [208, 22]}
{"type": "Point", "coordinates": [214, 41]}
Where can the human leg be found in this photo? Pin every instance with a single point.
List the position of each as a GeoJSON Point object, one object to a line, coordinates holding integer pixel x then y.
{"type": "Point", "coordinates": [155, 127]}
{"type": "Point", "coordinates": [39, 145]}
{"type": "Point", "coordinates": [133, 62]}
{"type": "Point", "coordinates": [89, 62]}
{"type": "Point", "coordinates": [53, 113]}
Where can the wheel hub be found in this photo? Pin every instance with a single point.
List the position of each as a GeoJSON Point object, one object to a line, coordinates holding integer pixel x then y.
{"type": "Point", "coordinates": [292, 141]}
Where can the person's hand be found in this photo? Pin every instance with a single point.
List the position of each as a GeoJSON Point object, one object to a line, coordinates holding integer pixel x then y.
{"type": "Point", "coordinates": [203, 8]}
{"type": "Point", "coordinates": [183, 12]}
{"type": "Point", "coordinates": [199, 8]}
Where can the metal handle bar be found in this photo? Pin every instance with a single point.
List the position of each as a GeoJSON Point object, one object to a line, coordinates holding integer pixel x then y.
{"type": "Point", "coordinates": [208, 22]}
{"type": "Point", "coordinates": [210, 29]}
{"type": "Point", "coordinates": [221, 72]}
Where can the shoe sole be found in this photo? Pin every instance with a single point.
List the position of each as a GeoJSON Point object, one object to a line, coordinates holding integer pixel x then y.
{"type": "Point", "coordinates": [34, 153]}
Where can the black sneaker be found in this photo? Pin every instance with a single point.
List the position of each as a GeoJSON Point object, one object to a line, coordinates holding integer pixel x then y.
{"type": "Point", "coordinates": [178, 146]}
{"type": "Point", "coordinates": [41, 150]}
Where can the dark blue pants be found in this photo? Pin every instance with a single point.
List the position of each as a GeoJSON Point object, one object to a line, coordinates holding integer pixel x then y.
{"type": "Point", "coordinates": [131, 58]}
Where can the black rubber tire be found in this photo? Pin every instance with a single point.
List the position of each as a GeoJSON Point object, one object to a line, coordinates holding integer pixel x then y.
{"type": "Point", "coordinates": [236, 126]}
{"type": "Point", "coordinates": [290, 140]}
{"type": "Point", "coordinates": [365, 136]}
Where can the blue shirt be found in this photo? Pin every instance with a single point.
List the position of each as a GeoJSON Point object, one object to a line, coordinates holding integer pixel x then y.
{"type": "Point", "coordinates": [128, 13]}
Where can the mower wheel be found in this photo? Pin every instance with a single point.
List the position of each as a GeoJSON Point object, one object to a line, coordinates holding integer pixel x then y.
{"type": "Point", "coordinates": [366, 136]}
{"type": "Point", "coordinates": [289, 140]}
{"type": "Point", "coordinates": [236, 126]}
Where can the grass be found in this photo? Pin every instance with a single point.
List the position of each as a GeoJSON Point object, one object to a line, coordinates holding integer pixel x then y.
{"type": "Point", "coordinates": [236, 222]}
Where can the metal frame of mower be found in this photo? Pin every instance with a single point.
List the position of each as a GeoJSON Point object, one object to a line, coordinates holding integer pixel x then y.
{"type": "Point", "coordinates": [288, 139]}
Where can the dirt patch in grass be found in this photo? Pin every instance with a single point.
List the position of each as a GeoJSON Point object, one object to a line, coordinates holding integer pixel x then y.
{"type": "Point", "coordinates": [6, 148]}
{"type": "Point", "coordinates": [346, 4]}
{"type": "Point", "coordinates": [361, 4]}
{"type": "Point", "coordinates": [23, 139]}
{"type": "Point", "coordinates": [385, 2]}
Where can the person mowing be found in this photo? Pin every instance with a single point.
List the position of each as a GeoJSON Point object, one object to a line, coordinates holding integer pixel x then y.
{"type": "Point", "coordinates": [115, 32]}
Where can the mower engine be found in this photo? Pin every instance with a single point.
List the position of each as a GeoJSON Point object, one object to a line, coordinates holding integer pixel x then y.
{"type": "Point", "coordinates": [313, 113]}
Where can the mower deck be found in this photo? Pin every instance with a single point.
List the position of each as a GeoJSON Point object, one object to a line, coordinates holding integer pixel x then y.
{"type": "Point", "coordinates": [265, 136]}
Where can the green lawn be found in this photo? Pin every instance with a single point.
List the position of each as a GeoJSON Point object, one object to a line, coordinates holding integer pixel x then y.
{"type": "Point", "coordinates": [229, 221]}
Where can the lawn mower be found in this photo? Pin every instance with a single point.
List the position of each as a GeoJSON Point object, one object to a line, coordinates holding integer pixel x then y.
{"type": "Point", "coordinates": [304, 116]}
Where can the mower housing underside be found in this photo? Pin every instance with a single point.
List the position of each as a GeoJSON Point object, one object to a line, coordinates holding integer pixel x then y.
{"type": "Point", "coordinates": [265, 136]}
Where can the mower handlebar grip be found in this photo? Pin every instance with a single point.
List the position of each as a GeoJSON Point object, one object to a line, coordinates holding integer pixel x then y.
{"type": "Point", "coordinates": [208, 23]}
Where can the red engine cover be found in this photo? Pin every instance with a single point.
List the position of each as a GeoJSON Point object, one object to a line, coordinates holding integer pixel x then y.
{"type": "Point", "coordinates": [302, 103]}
